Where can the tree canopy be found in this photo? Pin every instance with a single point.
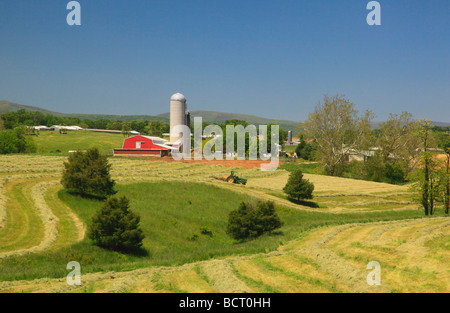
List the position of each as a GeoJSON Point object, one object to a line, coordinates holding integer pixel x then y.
{"type": "Point", "coordinates": [88, 173]}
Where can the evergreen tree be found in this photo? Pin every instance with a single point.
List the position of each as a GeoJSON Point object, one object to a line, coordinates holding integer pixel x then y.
{"type": "Point", "coordinates": [251, 221]}
{"type": "Point", "coordinates": [87, 173]}
{"type": "Point", "coordinates": [116, 227]}
{"type": "Point", "coordinates": [297, 187]}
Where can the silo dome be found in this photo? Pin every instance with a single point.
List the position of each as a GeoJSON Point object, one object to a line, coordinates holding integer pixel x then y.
{"type": "Point", "coordinates": [178, 97]}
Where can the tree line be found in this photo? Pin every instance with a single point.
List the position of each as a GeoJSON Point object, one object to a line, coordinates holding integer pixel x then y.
{"type": "Point", "coordinates": [397, 151]}
{"type": "Point", "coordinates": [23, 117]}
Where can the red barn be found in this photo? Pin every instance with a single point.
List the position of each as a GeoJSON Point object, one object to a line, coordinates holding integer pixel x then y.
{"type": "Point", "coordinates": [143, 146]}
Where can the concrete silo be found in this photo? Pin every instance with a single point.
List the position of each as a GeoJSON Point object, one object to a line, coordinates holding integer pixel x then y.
{"type": "Point", "coordinates": [188, 119]}
{"type": "Point", "coordinates": [177, 115]}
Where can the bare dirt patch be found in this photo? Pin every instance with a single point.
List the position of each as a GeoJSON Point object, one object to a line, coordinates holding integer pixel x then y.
{"type": "Point", "coordinates": [249, 164]}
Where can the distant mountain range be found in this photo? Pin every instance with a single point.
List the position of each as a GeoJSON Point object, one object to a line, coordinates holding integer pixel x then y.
{"type": "Point", "coordinates": [220, 117]}
{"type": "Point", "coordinates": [208, 116]}
{"type": "Point", "coordinates": [6, 106]}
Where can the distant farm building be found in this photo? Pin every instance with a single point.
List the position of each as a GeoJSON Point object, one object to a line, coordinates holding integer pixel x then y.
{"type": "Point", "coordinates": [39, 128]}
{"type": "Point", "coordinates": [109, 131]}
{"type": "Point", "coordinates": [359, 155]}
{"type": "Point", "coordinates": [67, 128]}
{"type": "Point", "coordinates": [144, 146]}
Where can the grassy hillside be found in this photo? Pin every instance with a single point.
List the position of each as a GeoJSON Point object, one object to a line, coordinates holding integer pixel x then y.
{"type": "Point", "coordinates": [6, 106]}
{"type": "Point", "coordinates": [172, 214]}
{"type": "Point", "coordinates": [54, 143]}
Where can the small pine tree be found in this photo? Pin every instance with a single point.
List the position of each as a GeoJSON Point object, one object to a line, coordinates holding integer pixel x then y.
{"type": "Point", "coordinates": [87, 173]}
{"type": "Point", "coordinates": [116, 227]}
{"type": "Point", "coordinates": [298, 188]}
{"type": "Point", "coordinates": [250, 221]}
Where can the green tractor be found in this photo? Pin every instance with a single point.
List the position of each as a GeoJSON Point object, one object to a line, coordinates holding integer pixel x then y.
{"type": "Point", "coordinates": [234, 179]}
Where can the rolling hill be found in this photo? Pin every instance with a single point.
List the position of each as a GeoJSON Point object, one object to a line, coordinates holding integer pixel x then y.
{"type": "Point", "coordinates": [6, 106]}
{"type": "Point", "coordinates": [208, 116]}
{"type": "Point", "coordinates": [220, 117]}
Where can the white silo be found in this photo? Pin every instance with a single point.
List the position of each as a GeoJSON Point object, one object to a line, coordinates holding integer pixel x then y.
{"type": "Point", "coordinates": [290, 137]}
{"type": "Point", "coordinates": [177, 114]}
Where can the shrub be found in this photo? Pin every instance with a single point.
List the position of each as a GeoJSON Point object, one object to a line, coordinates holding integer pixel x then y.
{"type": "Point", "coordinates": [394, 173]}
{"type": "Point", "coordinates": [204, 230]}
{"type": "Point", "coordinates": [87, 173]}
{"type": "Point", "coordinates": [298, 188]}
{"type": "Point", "coordinates": [116, 227]}
{"type": "Point", "coordinates": [376, 169]}
{"type": "Point", "coordinates": [251, 221]}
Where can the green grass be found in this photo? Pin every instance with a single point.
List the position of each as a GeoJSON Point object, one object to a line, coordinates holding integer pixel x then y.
{"type": "Point", "coordinates": [24, 228]}
{"type": "Point", "coordinates": [171, 213]}
{"type": "Point", "coordinates": [307, 168]}
{"type": "Point", "coordinates": [54, 143]}
{"type": "Point", "coordinates": [289, 149]}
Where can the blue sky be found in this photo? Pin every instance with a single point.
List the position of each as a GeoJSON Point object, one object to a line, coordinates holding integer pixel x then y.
{"type": "Point", "coordinates": [267, 58]}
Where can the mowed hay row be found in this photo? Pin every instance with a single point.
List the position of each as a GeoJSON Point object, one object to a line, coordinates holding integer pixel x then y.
{"type": "Point", "coordinates": [95, 282]}
{"type": "Point", "coordinates": [31, 164]}
{"type": "Point", "coordinates": [32, 225]}
{"type": "Point", "coordinates": [348, 186]}
{"type": "Point", "coordinates": [222, 278]}
{"type": "Point", "coordinates": [330, 260]}
{"type": "Point", "coordinates": [70, 228]}
{"type": "Point", "coordinates": [40, 219]}
{"type": "Point", "coordinates": [305, 240]}
{"type": "Point", "coordinates": [181, 171]}
{"type": "Point", "coordinates": [23, 227]}
{"type": "Point", "coordinates": [263, 277]}
{"type": "Point", "coordinates": [305, 269]}
{"type": "Point", "coordinates": [184, 280]}
{"type": "Point", "coordinates": [3, 199]}
{"type": "Point", "coordinates": [329, 185]}
{"type": "Point", "coordinates": [407, 264]}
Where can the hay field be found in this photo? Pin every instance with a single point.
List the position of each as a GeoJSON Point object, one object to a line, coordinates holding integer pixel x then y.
{"type": "Point", "coordinates": [329, 185]}
{"type": "Point", "coordinates": [330, 259]}
{"type": "Point", "coordinates": [414, 254]}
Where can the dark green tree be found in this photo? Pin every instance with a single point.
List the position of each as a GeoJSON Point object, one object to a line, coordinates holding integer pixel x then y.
{"type": "Point", "coordinates": [297, 187]}
{"type": "Point", "coordinates": [87, 173]}
{"type": "Point", "coordinates": [16, 141]}
{"type": "Point", "coordinates": [251, 221]}
{"type": "Point", "coordinates": [116, 227]}
{"type": "Point", "coordinates": [305, 150]}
